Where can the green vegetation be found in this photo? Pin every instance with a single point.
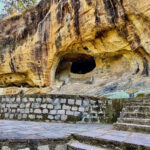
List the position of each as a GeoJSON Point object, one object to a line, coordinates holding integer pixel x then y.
{"type": "Point", "coordinates": [15, 6]}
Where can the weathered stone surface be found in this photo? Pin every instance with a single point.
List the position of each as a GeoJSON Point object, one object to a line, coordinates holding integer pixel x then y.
{"type": "Point", "coordinates": [113, 34]}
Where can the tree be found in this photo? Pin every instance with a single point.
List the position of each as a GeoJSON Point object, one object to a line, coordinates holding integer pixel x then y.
{"type": "Point", "coordinates": [15, 6]}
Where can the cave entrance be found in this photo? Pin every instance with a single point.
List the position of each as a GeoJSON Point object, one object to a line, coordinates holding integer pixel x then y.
{"type": "Point", "coordinates": [76, 64]}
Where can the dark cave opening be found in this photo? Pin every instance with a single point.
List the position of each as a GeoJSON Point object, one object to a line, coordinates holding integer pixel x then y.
{"type": "Point", "coordinates": [76, 64]}
{"type": "Point", "coordinates": [83, 66]}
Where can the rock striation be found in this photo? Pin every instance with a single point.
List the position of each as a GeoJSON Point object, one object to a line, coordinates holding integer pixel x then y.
{"type": "Point", "coordinates": [77, 46]}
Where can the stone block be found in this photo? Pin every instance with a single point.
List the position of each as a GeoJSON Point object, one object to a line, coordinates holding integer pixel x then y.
{"type": "Point", "coordinates": [77, 113]}
{"type": "Point", "coordinates": [3, 105]}
{"type": "Point", "coordinates": [61, 112]}
{"type": "Point", "coordinates": [56, 101]}
{"type": "Point", "coordinates": [53, 112]}
{"type": "Point", "coordinates": [24, 149]}
{"type": "Point", "coordinates": [14, 105]}
{"type": "Point", "coordinates": [64, 117]}
{"type": "Point", "coordinates": [63, 101]}
{"type": "Point", "coordinates": [5, 148]}
{"type": "Point", "coordinates": [5, 110]}
{"type": "Point", "coordinates": [57, 107]}
{"type": "Point", "coordinates": [22, 111]}
{"type": "Point", "coordinates": [18, 110]}
{"type": "Point", "coordinates": [60, 147]}
{"type": "Point", "coordinates": [45, 111]}
{"type": "Point", "coordinates": [57, 117]}
{"type": "Point", "coordinates": [6, 115]}
{"type": "Point", "coordinates": [71, 101]}
{"type": "Point", "coordinates": [13, 110]}
{"type": "Point", "coordinates": [65, 107]}
{"type": "Point", "coordinates": [79, 102]}
{"type": "Point", "coordinates": [19, 116]}
{"type": "Point", "coordinates": [49, 100]}
{"type": "Point", "coordinates": [24, 116]}
{"type": "Point", "coordinates": [27, 110]}
{"type": "Point", "coordinates": [92, 102]}
{"type": "Point", "coordinates": [51, 117]}
{"type": "Point", "coordinates": [43, 105]}
{"type": "Point", "coordinates": [25, 100]}
{"type": "Point", "coordinates": [74, 108]}
{"type": "Point", "coordinates": [12, 99]}
{"type": "Point", "coordinates": [32, 116]}
{"type": "Point", "coordinates": [81, 109]}
{"type": "Point", "coordinates": [39, 117]}
{"type": "Point", "coordinates": [11, 116]}
{"type": "Point", "coordinates": [86, 102]}
{"type": "Point", "coordinates": [37, 111]}
{"type": "Point", "coordinates": [31, 110]}
{"type": "Point", "coordinates": [18, 99]}
{"type": "Point", "coordinates": [28, 105]}
{"type": "Point", "coordinates": [69, 112]}
{"type": "Point", "coordinates": [50, 106]}
{"type": "Point", "coordinates": [35, 105]}
{"type": "Point", "coordinates": [43, 147]}
{"type": "Point", "coordinates": [39, 100]}
{"type": "Point", "coordinates": [3, 99]}
{"type": "Point", "coordinates": [31, 99]}
{"type": "Point", "coordinates": [22, 105]}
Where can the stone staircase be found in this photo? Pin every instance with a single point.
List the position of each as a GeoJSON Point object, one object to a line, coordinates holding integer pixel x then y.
{"type": "Point", "coordinates": [76, 145]}
{"type": "Point", "coordinates": [135, 116]}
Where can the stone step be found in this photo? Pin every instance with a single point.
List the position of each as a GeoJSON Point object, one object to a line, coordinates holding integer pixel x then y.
{"type": "Point", "coordinates": [113, 139]}
{"type": "Point", "coordinates": [76, 145]}
{"type": "Point", "coordinates": [136, 104]}
{"type": "Point", "coordinates": [134, 121]}
{"type": "Point", "coordinates": [137, 108]}
{"type": "Point", "coordinates": [135, 115]}
{"type": "Point", "coordinates": [132, 127]}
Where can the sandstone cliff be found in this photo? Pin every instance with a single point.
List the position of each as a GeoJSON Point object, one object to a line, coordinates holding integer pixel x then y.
{"type": "Point", "coordinates": [78, 46]}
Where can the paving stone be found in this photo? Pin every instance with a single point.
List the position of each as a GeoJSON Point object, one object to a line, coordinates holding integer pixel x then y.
{"type": "Point", "coordinates": [22, 105]}
{"type": "Point", "coordinates": [5, 148]}
{"type": "Point", "coordinates": [44, 147]}
{"type": "Point", "coordinates": [14, 105]}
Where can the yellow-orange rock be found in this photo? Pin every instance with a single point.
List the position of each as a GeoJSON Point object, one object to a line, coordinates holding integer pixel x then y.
{"type": "Point", "coordinates": [77, 46]}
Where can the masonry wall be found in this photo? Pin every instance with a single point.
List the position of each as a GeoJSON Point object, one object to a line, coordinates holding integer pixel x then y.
{"type": "Point", "coordinates": [63, 108]}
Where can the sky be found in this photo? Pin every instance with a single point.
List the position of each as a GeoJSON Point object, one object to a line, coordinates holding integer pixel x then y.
{"type": "Point", "coordinates": [1, 6]}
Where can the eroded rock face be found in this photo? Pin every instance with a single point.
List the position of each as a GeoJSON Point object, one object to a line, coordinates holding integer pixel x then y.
{"type": "Point", "coordinates": [77, 46]}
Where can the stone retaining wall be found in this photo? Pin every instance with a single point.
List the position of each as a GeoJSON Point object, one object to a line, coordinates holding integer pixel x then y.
{"type": "Point", "coordinates": [62, 108]}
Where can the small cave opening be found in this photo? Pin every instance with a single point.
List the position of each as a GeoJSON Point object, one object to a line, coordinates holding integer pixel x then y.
{"type": "Point", "coordinates": [76, 64]}
{"type": "Point", "coordinates": [83, 66]}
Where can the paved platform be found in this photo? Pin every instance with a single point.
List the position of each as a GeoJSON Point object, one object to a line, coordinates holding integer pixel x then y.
{"type": "Point", "coordinates": [21, 131]}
